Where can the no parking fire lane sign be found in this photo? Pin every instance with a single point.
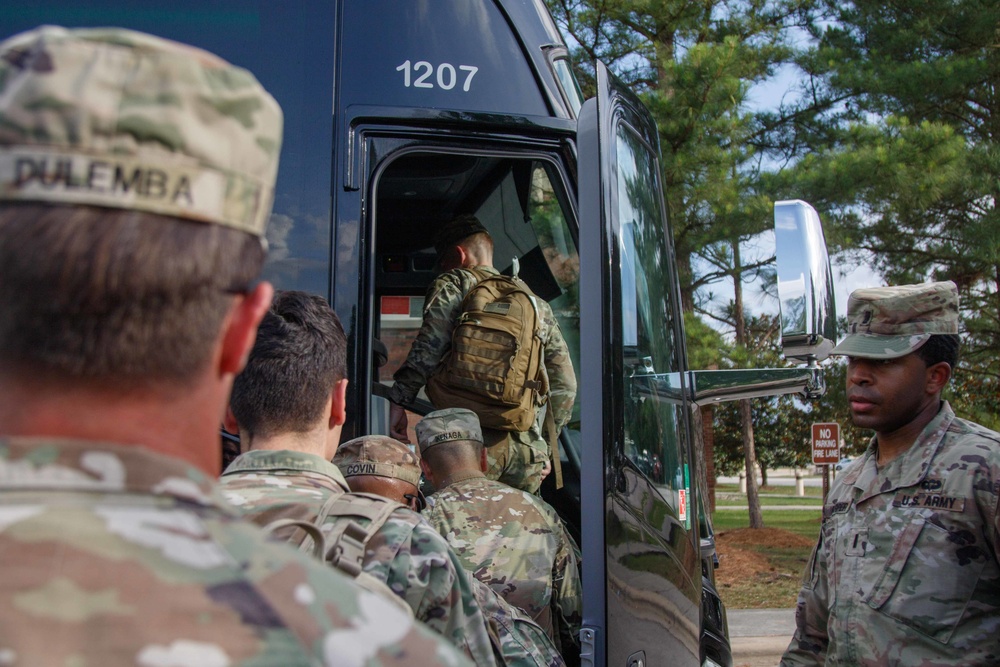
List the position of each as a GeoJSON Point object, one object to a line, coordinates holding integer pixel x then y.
{"type": "Point", "coordinates": [826, 443]}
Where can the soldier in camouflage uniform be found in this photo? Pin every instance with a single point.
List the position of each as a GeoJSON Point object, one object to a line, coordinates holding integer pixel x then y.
{"type": "Point", "coordinates": [508, 538]}
{"type": "Point", "coordinates": [384, 466]}
{"type": "Point", "coordinates": [288, 405]}
{"type": "Point", "coordinates": [519, 459]}
{"type": "Point", "coordinates": [905, 571]}
{"type": "Point", "coordinates": [136, 176]}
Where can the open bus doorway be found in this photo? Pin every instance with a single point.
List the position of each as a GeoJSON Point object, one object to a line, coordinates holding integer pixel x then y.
{"type": "Point", "coordinates": [523, 202]}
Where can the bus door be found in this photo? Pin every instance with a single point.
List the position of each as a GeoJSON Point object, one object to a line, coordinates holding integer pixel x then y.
{"type": "Point", "coordinates": [641, 560]}
{"type": "Point", "coordinates": [522, 192]}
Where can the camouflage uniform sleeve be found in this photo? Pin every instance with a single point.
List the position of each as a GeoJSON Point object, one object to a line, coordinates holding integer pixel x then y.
{"type": "Point", "coordinates": [559, 368]}
{"type": "Point", "coordinates": [441, 306]}
{"type": "Point", "coordinates": [567, 598]}
{"type": "Point", "coordinates": [810, 641]}
{"type": "Point", "coordinates": [430, 578]}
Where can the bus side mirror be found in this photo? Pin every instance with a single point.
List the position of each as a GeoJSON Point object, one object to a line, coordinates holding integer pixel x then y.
{"type": "Point", "coordinates": [805, 283]}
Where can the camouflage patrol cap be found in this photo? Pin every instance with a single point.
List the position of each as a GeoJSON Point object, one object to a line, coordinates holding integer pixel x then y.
{"type": "Point", "coordinates": [117, 118]}
{"type": "Point", "coordinates": [457, 230]}
{"type": "Point", "coordinates": [891, 322]}
{"type": "Point", "coordinates": [378, 455]}
{"type": "Point", "coordinates": [447, 425]}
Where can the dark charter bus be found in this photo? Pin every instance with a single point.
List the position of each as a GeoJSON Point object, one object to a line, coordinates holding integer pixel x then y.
{"type": "Point", "coordinates": [402, 114]}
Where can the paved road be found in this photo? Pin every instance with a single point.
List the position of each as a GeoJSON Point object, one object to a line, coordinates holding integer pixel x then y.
{"type": "Point", "coordinates": [760, 636]}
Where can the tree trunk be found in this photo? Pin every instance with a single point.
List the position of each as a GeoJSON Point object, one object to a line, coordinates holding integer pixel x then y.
{"type": "Point", "coordinates": [753, 500]}
{"type": "Point", "coordinates": [746, 416]}
{"type": "Point", "coordinates": [763, 474]}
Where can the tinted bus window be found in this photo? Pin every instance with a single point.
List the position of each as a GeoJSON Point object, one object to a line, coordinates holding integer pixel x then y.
{"type": "Point", "coordinates": [569, 84]}
{"type": "Point", "coordinates": [652, 427]}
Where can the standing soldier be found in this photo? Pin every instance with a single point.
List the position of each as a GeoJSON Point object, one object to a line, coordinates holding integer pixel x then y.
{"type": "Point", "coordinates": [508, 538]}
{"type": "Point", "coordinates": [518, 458]}
{"type": "Point", "coordinates": [905, 571]}
{"type": "Point", "coordinates": [136, 179]}
{"type": "Point", "coordinates": [288, 405]}
{"type": "Point", "coordinates": [386, 467]}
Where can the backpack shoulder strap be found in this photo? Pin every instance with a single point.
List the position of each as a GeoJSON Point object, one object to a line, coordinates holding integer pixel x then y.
{"type": "Point", "coordinates": [478, 276]}
{"type": "Point", "coordinates": [312, 540]}
{"type": "Point", "coordinates": [347, 542]}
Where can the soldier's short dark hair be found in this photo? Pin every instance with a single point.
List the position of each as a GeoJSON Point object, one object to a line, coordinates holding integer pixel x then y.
{"type": "Point", "coordinates": [457, 230]}
{"type": "Point", "coordinates": [113, 295]}
{"type": "Point", "coordinates": [299, 355]}
{"type": "Point", "coordinates": [940, 347]}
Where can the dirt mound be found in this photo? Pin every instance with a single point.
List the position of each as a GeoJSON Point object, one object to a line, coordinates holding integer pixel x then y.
{"type": "Point", "coordinates": [736, 564]}
{"type": "Point", "coordinates": [740, 565]}
{"type": "Point", "coordinates": [772, 537]}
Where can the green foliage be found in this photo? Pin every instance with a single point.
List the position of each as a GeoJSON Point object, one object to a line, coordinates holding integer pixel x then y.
{"type": "Point", "coordinates": [976, 397]}
{"type": "Point", "coordinates": [693, 63]}
{"type": "Point", "coordinates": [893, 137]}
{"type": "Point", "coordinates": [705, 346]}
{"type": "Point", "coordinates": [896, 143]}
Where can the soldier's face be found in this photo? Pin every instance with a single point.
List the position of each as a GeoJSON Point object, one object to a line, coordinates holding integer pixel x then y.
{"type": "Point", "coordinates": [886, 394]}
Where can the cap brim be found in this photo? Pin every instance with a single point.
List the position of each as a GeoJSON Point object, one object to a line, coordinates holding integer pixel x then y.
{"type": "Point", "coordinates": [873, 346]}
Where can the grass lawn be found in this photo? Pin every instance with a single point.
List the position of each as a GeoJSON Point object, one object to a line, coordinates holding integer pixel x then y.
{"type": "Point", "coordinates": [800, 522]}
{"type": "Point", "coordinates": [739, 500]}
{"type": "Point", "coordinates": [782, 491]}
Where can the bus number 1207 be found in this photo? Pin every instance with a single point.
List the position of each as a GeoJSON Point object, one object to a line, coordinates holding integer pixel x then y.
{"type": "Point", "coordinates": [447, 76]}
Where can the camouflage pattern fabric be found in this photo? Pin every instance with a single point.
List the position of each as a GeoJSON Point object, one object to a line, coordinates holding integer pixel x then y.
{"type": "Point", "coordinates": [891, 322]}
{"type": "Point", "coordinates": [517, 640]}
{"type": "Point", "coordinates": [114, 555]}
{"type": "Point", "coordinates": [378, 456]}
{"type": "Point", "coordinates": [905, 571]}
{"type": "Point", "coordinates": [522, 466]}
{"type": "Point", "coordinates": [113, 117]}
{"type": "Point", "coordinates": [448, 425]}
{"type": "Point", "coordinates": [273, 485]}
{"type": "Point", "coordinates": [407, 554]}
{"type": "Point", "coordinates": [516, 544]}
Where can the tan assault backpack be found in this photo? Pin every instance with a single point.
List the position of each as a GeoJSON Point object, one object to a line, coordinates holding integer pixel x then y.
{"type": "Point", "coordinates": [494, 366]}
{"type": "Point", "coordinates": [345, 545]}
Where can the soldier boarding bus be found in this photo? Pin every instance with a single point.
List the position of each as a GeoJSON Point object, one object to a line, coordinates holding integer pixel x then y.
{"type": "Point", "coordinates": [401, 115]}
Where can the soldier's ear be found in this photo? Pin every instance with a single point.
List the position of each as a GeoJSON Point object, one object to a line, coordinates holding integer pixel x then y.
{"type": "Point", "coordinates": [428, 473]}
{"type": "Point", "coordinates": [453, 258]}
{"type": "Point", "coordinates": [229, 422]}
{"type": "Point", "coordinates": [484, 464]}
{"type": "Point", "coordinates": [239, 329]}
{"type": "Point", "coordinates": [338, 407]}
{"type": "Point", "coordinates": [938, 377]}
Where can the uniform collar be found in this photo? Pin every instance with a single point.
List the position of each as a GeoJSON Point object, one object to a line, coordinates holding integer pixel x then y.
{"type": "Point", "coordinates": [907, 469]}
{"type": "Point", "coordinates": [49, 464]}
{"type": "Point", "coordinates": [463, 476]}
{"type": "Point", "coordinates": [273, 460]}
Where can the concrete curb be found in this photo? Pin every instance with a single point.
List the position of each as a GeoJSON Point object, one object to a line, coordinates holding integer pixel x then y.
{"type": "Point", "coordinates": [754, 647]}
{"type": "Point", "coordinates": [760, 636]}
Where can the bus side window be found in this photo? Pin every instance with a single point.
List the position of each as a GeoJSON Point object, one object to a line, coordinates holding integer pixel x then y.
{"type": "Point", "coordinates": [652, 430]}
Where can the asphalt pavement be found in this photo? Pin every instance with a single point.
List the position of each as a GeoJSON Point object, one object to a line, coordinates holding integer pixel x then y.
{"type": "Point", "coordinates": [760, 636]}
